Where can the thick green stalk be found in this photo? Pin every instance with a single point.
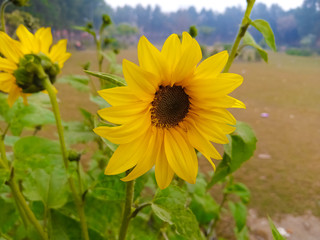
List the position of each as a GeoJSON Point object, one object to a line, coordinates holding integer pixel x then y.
{"type": "Point", "coordinates": [4, 4]}
{"type": "Point", "coordinates": [242, 30]}
{"type": "Point", "coordinates": [77, 198]}
{"type": "Point", "coordinates": [127, 210]}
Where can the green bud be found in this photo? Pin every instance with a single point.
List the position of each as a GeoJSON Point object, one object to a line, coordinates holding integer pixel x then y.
{"type": "Point", "coordinates": [193, 31]}
{"type": "Point", "coordinates": [31, 66]}
{"type": "Point", "coordinates": [74, 156]}
{"type": "Point", "coordinates": [106, 20]}
{"type": "Point", "coordinates": [20, 3]}
{"type": "Point", "coordinates": [89, 25]}
{"type": "Point", "coordinates": [116, 51]}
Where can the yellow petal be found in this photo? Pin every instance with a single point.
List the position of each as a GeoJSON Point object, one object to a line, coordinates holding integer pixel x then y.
{"type": "Point", "coordinates": [7, 80]}
{"type": "Point", "coordinates": [10, 48]}
{"type": "Point", "coordinates": [171, 52]}
{"type": "Point", "coordinates": [216, 114]}
{"type": "Point", "coordinates": [147, 162]}
{"type": "Point", "coordinates": [7, 66]}
{"type": "Point", "coordinates": [118, 96]}
{"type": "Point", "coordinates": [222, 85]}
{"type": "Point", "coordinates": [58, 53]}
{"type": "Point", "coordinates": [13, 94]}
{"type": "Point", "coordinates": [219, 102]}
{"type": "Point", "coordinates": [190, 57]}
{"type": "Point", "coordinates": [45, 39]}
{"type": "Point", "coordinates": [212, 66]}
{"type": "Point", "coordinates": [150, 58]}
{"type": "Point", "coordinates": [200, 142]}
{"type": "Point", "coordinates": [125, 133]}
{"type": "Point", "coordinates": [181, 156]}
{"type": "Point", "coordinates": [29, 42]}
{"type": "Point", "coordinates": [123, 114]}
{"type": "Point", "coordinates": [127, 155]}
{"type": "Point", "coordinates": [139, 80]}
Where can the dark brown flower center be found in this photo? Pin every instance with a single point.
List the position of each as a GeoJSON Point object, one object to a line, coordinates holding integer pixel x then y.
{"type": "Point", "coordinates": [169, 106]}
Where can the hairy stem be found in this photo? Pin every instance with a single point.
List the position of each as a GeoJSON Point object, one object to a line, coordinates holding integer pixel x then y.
{"type": "Point", "coordinates": [4, 4]}
{"type": "Point", "coordinates": [77, 198]}
{"type": "Point", "coordinates": [127, 210]}
{"type": "Point", "coordinates": [242, 30]}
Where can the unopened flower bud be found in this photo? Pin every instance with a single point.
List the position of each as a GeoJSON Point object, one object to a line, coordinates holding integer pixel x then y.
{"type": "Point", "coordinates": [193, 31]}
{"type": "Point", "coordinates": [89, 25]}
{"type": "Point", "coordinates": [28, 73]}
{"type": "Point", "coordinates": [73, 156]}
{"type": "Point", "coordinates": [106, 20]}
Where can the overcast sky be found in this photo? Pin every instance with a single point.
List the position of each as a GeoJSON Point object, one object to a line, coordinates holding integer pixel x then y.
{"type": "Point", "coordinates": [215, 5]}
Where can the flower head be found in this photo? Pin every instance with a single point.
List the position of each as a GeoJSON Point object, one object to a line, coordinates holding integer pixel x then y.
{"type": "Point", "coordinates": [170, 107]}
{"type": "Point", "coordinates": [18, 77]}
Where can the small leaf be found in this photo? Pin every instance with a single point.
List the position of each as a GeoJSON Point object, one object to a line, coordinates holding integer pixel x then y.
{"type": "Point", "coordinates": [79, 82]}
{"type": "Point", "coordinates": [169, 206]}
{"type": "Point", "coordinates": [240, 190]}
{"type": "Point", "coordinates": [249, 40]}
{"type": "Point", "coordinates": [51, 189]}
{"type": "Point", "coordinates": [240, 148]}
{"type": "Point", "coordinates": [77, 132]}
{"type": "Point", "coordinates": [4, 175]}
{"type": "Point", "coordinates": [275, 233]}
{"type": "Point", "coordinates": [239, 213]}
{"type": "Point", "coordinates": [110, 78]}
{"type": "Point", "coordinates": [10, 140]}
{"type": "Point", "coordinates": [264, 27]}
{"type": "Point", "coordinates": [84, 29]}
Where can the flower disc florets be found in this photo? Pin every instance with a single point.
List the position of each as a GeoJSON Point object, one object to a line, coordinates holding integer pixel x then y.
{"type": "Point", "coordinates": [30, 72]}
{"type": "Point", "coordinates": [169, 107]}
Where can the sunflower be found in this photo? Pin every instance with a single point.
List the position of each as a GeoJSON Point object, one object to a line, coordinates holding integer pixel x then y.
{"type": "Point", "coordinates": [170, 107]}
{"type": "Point", "coordinates": [16, 53]}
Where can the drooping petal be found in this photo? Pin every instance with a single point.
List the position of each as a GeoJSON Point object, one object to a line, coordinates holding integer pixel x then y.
{"type": "Point", "coordinates": [29, 42]}
{"type": "Point", "coordinates": [181, 156]}
{"type": "Point", "coordinates": [10, 48]}
{"type": "Point", "coordinates": [7, 66]}
{"type": "Point", "coordinates": [58, 53]}
{"type": "Point", "coordinates": [127, 132]}
{"type": "Point", "coordinates": [147, 162]}
{"type": "Point", "coordinates": [127, 155]}
{"type": "Point", "coordinates": [14, 93]}
{"type": "Point", "coordinates": [6, 81]}
{"type": "Point", "coordinates": [45, 39]}
{"type": "Point", "coordinates": [190, 57]}
{"type": "Point", "coordinates": [150, 58]}
{"type": "Point", "coordinates": [140, 81]}
{"type": "Point", "coordinates": [212, 66]}
{"type": "Point", "coordinates": [119, 96]}
{"type": "Point", "coordinates": [123, 114]}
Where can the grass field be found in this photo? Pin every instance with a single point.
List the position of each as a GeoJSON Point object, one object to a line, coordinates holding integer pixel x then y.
{"type": "Point", "coordinates": [284, 173]}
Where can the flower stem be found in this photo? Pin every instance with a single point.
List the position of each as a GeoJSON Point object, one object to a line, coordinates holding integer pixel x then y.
{"type": "Point", "coordinates": [78, 200]}
{"type": "Point", "coordinates": [242, 30]}
{"type": "Point", "coordinates": [4, 4]}
{"type": "Point", "coordinates": [127, 210]}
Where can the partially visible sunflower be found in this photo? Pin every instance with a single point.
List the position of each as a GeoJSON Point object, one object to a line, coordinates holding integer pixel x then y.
{"type": "Point", "coordinates": [15, 53]}
{"type": "Point", "coordinates": [170, 107]}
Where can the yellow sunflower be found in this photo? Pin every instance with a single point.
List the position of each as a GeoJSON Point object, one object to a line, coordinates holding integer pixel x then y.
{"type": "Point", "coordinates": [15, 53]}
{"type": "Point", "coordinates": [170, 107]}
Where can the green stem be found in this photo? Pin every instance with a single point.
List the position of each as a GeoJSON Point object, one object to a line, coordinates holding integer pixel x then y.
{"type": "Point", "coordinates": [242, 30]}
{"type": "Point", "coordinates": [22, 213]}
{"type": "Point", "coordinates": [17, 194]}
{"type": "Point", "coordinates": [4, 160]}
{"type": "Point", "coordinates": [55, 107]}
{"type": "Point", "coordinates": [4, 4]}
{"type": "Point", "coordinates": [127, 210]}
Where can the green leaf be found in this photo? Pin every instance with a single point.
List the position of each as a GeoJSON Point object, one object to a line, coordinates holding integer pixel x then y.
{"type": "Point", "coordinates": [139, 228]}
{"type": "Point", "coordinates": [110, 78]}
{"type": "Point", "coordinates": [35, 152]}
{"type": "Point", "coordinates": [249, 40]}
{"type": "Point", "coordinates": [4, 175]}
{"type": "Point", "coordinates": [239, 213]}
{"type": "Point", "coordinates": [275, 233]}
{"type": "Point", "coordinates": [264, 27]}
{"type": "Point", "coordinates": [10, 140]}
{"type": "Point", "coordinates": [241, 146]}
{"type": "Point", "coordinates": [9, 215]}
{"type": "Point", "coordinates": [240, 190]}
{"type": "Point", "coordinates": [79, 82]}
{"type": "Point", "coordinates": [84, 29]}
{"type": "Point", "coordinates": [51, 189]}
{"type": "Point", "coordinates": [169, 206]}
{"type": "Point", "coordinates": [109, 188]}
{"type": "Point", "coordinates": [77, 132]}
{"type": "Point", "coordinates": [203, 206]}
{"type": "Point", "coordinates": [99, 101]}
